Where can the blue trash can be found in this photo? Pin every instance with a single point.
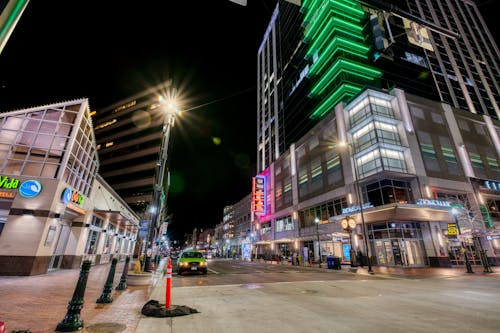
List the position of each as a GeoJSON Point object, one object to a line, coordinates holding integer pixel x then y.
{"type": "Point", "coordinates": [329, 262]}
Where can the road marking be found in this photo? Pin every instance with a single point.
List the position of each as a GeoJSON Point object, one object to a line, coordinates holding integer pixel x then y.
{"type": "Point", "coordinates": [212, 271]}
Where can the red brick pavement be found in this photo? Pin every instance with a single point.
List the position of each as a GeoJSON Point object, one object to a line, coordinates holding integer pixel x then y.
{"type": "Point", "coordinates": [39, 303]}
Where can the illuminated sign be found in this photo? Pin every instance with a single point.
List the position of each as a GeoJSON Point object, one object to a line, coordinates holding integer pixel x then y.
{"type": "Point", "coordinates": [30, 188]}
{"type": "Point", "coordinates": [356, 208]}
{"type": "Point", "coordinates": [452, 230]}
{"type": "Point", "coordinates": [69, 195]}
{"type": "Point", "coordinates": [259, 195]}
{"type": "Point", "coordinates": [76, 209]}
{"type": "Point", "coordinates": [8, 195]}
{"type": "Point", "coordinates": [6, 182]}
{"type": "Point", "coordinates": [495, 186]}
{"type": "Point", "coordinates": [427, 202]}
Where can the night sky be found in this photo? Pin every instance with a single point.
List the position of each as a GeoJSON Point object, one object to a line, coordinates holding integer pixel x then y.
{"type": "Point", "coordinates": [108, 50]}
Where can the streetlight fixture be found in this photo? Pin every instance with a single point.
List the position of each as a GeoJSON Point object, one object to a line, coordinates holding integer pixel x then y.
{"type": "Point", "coordinates": [360, 202]}
{"type": "Point", "coordinates": [349, 224]}
{"type": "Point", "coordinates": [160, 191]}
{"type": "Point", "coordinates": [316, 220]}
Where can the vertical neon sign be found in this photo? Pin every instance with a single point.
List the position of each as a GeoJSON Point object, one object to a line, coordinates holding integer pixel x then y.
{"type": "Point", "coordinates": [259, 195]}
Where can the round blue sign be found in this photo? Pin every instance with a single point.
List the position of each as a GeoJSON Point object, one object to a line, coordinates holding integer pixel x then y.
{"type": "Point", "coordinates": [66, 195]}
{"type": "Point", "coordinates": [30, 188]}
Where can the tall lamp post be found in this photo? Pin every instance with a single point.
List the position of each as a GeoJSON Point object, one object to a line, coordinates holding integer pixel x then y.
{"type": "Point", "coordinates": [316, 220]}
{"type": "Point", "coordinates": [160, 190]}
{"type": "Point", "coordinates": [360, 202]}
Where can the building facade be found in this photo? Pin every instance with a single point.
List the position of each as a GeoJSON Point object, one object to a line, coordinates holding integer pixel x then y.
{"type": "Point", "coordinates": [54, 208]}
{"type": "Point", "coordinates": [130, 136]}
{"type": "Point", "coordinates": [316, 54]}
{"type": "Point", "coordinates": [423, 170]}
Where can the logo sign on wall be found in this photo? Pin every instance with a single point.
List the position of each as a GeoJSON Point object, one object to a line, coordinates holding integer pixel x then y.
{"type": "Point", "coordinates": [259, 195]}
{"type": "Point", "coordinates": [69, 195]}
{"type": "Point", "coordinates": [6, 182]}
{"type": "Point", "coordinates": [30, 188]}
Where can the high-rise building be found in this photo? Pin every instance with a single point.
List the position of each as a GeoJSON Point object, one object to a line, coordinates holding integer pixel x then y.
{"type": "Point", "coordinates": [316, 54]}
{"type": "Point", "coordinates": [413, 91]}
{"type": "Point", "coordinates": [129, 137]}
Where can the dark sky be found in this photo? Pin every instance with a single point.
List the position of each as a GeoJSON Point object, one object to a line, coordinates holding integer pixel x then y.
{"type": "Point", "coordinates": [106, 50]}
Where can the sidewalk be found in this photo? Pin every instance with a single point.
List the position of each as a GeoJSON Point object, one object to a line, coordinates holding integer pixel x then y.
{"type": "Point", "coordinates": [38, 303]}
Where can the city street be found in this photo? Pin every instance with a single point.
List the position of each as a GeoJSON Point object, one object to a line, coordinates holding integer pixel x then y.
{"type": "Point", "coordinates": [247, 297]}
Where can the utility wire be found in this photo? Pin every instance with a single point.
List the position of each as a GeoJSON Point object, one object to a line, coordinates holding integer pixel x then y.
{"type": "Point", "coordinates": [220, 99]}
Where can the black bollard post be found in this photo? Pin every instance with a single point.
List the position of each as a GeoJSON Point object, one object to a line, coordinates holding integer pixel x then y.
{"type": "Point", "coordinates": [108, 286]}
{"type": "Point", "coordinates": [72, 321]}
{"type": "Point", "coordinates": [123, 280]}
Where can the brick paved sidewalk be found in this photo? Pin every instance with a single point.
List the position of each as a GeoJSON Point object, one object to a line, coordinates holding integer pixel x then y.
{"type": "Point", "coordinates": [40, 302]}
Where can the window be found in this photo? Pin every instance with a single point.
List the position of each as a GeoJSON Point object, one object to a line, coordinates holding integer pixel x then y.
{"type": "Point", "coordinates": [284, 224]}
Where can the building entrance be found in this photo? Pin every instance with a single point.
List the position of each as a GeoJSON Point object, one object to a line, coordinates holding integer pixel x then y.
{"type": "Point", "coordinates": [60, 247]}
{"type": "Point", "coordinates": [397, 244]}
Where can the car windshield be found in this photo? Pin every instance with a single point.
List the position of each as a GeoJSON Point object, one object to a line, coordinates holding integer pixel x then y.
{"type": "Point", "coordinates": [192, 255]}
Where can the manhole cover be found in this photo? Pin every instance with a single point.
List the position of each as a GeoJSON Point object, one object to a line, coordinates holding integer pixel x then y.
{"type": "Point", "coordinates": [106, 328]}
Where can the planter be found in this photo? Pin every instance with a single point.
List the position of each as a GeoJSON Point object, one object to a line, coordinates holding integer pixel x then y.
{"type": "Point", "coordinates": [139, 279]}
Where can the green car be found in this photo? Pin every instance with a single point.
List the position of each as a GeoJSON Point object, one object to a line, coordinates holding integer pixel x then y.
{"type": "Point", "coordinates": [191, 261]}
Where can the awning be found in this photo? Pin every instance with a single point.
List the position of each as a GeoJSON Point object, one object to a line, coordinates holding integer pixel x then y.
{"type": "Point", "coordinates": [114, 216]}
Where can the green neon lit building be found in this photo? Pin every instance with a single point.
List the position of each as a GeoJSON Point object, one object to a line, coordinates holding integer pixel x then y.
{"type": "Point", "coordinates": [338, 51]}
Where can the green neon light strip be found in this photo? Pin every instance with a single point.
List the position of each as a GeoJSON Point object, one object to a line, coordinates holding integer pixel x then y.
{"type": "Point", "coordinates": [329, 31]}
{"type": "Point", "coordinates": [316, 27]}
{"type": "Point", "coordinates": [351, 7]}
{"type": "Point", "coordinates": [311, 8]}
{"type": "Point", "coordinates": [345, 90]}
{"type": "Point", "coordinates": [345, 65]}
{"type": "Point", "coordinates": [339, 44]}
{"type": "Point", "coordinates": [10, 22]}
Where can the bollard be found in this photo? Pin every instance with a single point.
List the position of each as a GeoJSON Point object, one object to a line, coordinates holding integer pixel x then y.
{"type": "Point", "coordinates": [123, 279]}
{"type": "Point", "coordinates": [108, 286]}
{"type": "Point", "coordinates": [72, 321]}
{"type": "Point", "coordinates": [169, 284]}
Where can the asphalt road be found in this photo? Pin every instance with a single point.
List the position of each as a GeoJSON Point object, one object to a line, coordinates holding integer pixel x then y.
{"type": "Point", "coordinates": [250, 297]}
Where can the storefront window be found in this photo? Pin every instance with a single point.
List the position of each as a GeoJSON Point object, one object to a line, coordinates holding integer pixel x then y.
{"type": "Point", "coordinates": [389, 191]}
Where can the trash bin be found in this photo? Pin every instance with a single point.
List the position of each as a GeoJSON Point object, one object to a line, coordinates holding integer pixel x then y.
{"type": "Point", "coordinates": [336, 263]}
{"type": "Point", "coordinates": [329, 262]}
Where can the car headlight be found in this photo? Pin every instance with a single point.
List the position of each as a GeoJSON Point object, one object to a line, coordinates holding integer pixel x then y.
{"type": "Point", "coordinates": [183, 263]}
{"type": "Point", "coordinates": [203, 263]}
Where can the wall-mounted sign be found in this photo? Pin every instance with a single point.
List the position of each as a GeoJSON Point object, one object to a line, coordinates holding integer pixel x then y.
{"type": "Point", "coordinates": [427, 202]}
{"type": "Point", "coordinates": [30, 188]}
{"type": "Point", "coordinates": [259, 195]}
{"type": "Point", "coordinates": [6, 182]}
{"type": "Point", "coordinates": [69, 195]}
{"type": "Point", "coordinates": [452, 230]}
{"type": "Point", "coordinates": [7, 195]}
{"type": "Point", "coordinates": [356, 208]}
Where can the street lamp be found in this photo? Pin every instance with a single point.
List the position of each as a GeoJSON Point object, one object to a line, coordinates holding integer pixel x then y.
{"type": "Point", "coordinates": [360, 202]}
{"type": "Point", "coordinates": [160, 191]}
{"type": "Point", "coordinates": [349, 224]}
{"type": "Point", "coordinates": [316, 220]}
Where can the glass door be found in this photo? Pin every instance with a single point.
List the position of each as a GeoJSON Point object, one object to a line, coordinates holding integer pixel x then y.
{"type": "Point", "coordinates": [60, 247]}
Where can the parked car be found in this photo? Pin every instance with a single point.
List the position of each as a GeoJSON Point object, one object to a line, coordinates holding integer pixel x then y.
{"type": "Point", "coordinates": [191, 261]}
